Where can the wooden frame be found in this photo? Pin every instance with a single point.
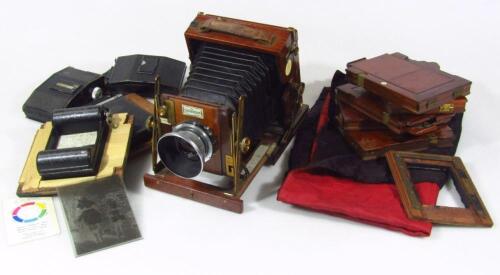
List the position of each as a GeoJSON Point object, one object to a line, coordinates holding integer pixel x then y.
{"type": "Point", "coordinates": [474, 213]}
{"type": "Point", "coordinates": [112, 163]}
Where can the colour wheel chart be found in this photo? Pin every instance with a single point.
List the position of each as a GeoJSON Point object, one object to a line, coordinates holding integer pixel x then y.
{"type": "Point", "coordinates": [28, 219]}
{"type": "Point", "coordinates": [29, 212]}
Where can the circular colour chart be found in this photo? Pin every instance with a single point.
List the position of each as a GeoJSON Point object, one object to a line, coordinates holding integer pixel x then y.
{"type": "Point", "coordinates": [41, 206]}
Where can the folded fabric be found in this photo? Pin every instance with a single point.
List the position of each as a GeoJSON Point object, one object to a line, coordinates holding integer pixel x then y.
{"type": "Point", "coordinates": [376, 204]}
{"type": "Point", "coordinates": [327, 175]}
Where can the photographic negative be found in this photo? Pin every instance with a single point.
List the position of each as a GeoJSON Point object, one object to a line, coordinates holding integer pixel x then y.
{"type": "Point", "coordinates": [98, 215]}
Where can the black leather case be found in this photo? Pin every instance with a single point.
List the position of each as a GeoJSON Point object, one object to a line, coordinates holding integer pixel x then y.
{"type": "Point", "coordinates": [137, 73]}
{"type": "Point", "coordinates": [69, 87]}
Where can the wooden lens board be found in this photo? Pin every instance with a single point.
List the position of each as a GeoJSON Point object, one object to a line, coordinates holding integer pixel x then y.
{"type": "Point", "coordinates": [474, 213]}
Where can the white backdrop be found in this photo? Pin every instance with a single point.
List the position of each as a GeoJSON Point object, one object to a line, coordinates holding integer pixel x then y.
{"type": "Point", "coordinates": [38, 38]}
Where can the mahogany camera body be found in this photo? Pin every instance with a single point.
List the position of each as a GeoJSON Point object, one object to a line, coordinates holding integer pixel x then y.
{"type": "Point", "coordinates": [238, 109]}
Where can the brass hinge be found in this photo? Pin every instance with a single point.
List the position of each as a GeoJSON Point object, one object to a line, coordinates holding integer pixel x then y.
{"type": "Point", "coordinates": [447, 108]}
{"type": "Point", "coordinates": [229, 163]}
{"type": "Point", "coordinates": [166, 112]}
{"type": "Point", "coordinates": [433, 139]}
{"type": "Point", "coordinates": [360, 80]}
{"type": "Point", "coordinates": [385, 117]}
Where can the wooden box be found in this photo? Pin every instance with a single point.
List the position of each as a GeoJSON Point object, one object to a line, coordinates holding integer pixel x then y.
{"type": "Point", "coordinates": [417, 87]}
{"type": "Point", "coordinates": [375, 143]}
{"type": "Point", "coordinates": [373, 107]}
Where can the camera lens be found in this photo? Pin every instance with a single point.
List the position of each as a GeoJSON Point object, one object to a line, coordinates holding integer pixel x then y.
{"type": "Point", "coordinates": [185, 150]}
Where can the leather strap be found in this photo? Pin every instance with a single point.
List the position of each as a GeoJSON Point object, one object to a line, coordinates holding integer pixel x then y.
{"type": "Point", "coordinates": [219, 25]}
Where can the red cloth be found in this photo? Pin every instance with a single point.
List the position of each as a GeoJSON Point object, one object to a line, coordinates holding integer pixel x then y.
{"type": "Point", "coordinates": [372, 203]}
{"type": "Point", "coordinates": [376, 204]}
{"type": "Point", "coordinates": [323, 119]}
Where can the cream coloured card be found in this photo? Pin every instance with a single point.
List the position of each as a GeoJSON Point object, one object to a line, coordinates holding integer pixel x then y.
{"type": "Point", "coordinates": [28, 219]}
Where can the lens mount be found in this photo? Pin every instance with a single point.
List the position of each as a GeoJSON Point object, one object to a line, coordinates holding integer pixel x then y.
{"type": "Point", "coordinates": [185, 149]}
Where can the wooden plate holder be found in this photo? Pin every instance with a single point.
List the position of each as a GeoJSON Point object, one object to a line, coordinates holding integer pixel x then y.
{"type": "Point", "coordinates": [474, 213]}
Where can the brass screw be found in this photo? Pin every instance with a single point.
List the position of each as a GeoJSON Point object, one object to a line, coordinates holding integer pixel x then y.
{"type": "Point", "coordinates": [162, 112]}
{"type": "Point", "coordinates": [150, 123]}
{"type": "Point", "coordinates": [288, 66]}
{"type": "Point", "coordinates": [245, 145]}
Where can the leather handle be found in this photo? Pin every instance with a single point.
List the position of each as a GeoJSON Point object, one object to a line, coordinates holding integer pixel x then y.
{"type": "Point", "coordinates": [219, 25]}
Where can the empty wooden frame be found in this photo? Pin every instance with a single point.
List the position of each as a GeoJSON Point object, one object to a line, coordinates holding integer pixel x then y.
{"type": "Point", "coordinates": [474, 213]}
